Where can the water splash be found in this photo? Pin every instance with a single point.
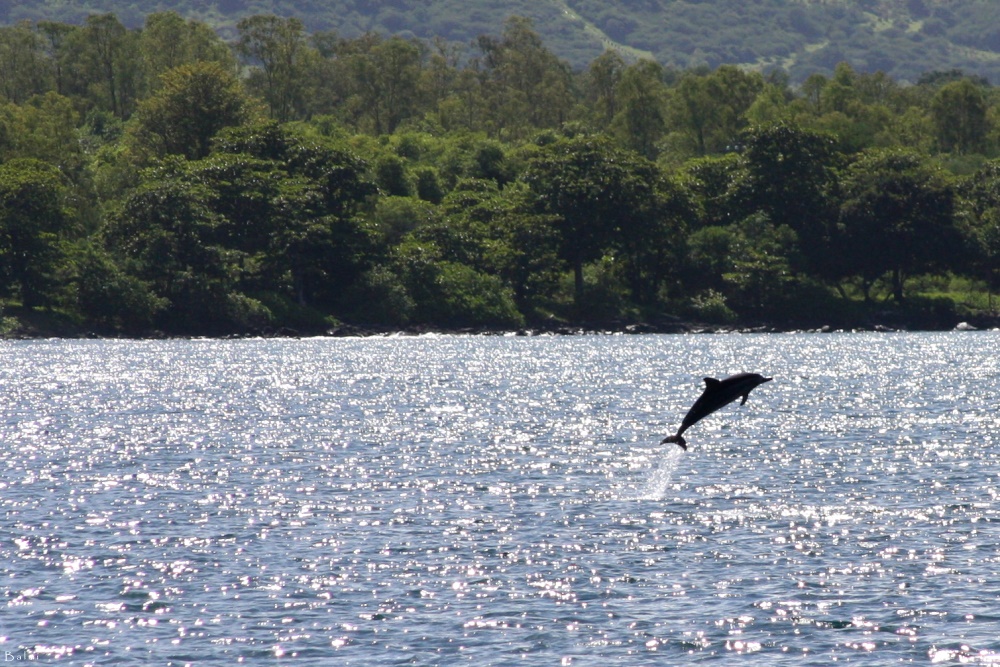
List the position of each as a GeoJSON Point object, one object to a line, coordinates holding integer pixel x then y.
{"type": "Point", "coordinates": [655, 487]}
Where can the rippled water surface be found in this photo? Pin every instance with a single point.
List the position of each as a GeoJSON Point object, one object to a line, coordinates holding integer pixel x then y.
{"type": "Point", "coordinates": [500, 501]}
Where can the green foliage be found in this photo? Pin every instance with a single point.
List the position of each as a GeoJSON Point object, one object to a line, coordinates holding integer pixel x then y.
{"type": "Point", "coordinates": [786, 175]}
{"type": "Point", "coordinates": [381, 81]}
{"type": "Point", "coordinates": [897, 215]}
{"type": "Point", "coordinates": [380, 298]}
{"type": "Point", "coordinates": [603, 300]}
{"type": "Point", "coordinates": [107, 63]}
{"type": "Point", "coordinates": [710, 306]}
{"type": "Point", "coordinates": [293, 203]}
{"type": "Point", "coordinates": [596, 192]}
{"type": "Point", "coordinates": [640, 94]}
{"type": "Point", "coordinates": [453, 294]}
{"type": "Point", "coordinates": [959, 113]}
{"type": "Point", "coordinates": [110, 297]}
{"type": "Point", "coordinates": [525, 83]}
{"type": "Point", "coordinates": [399, 182]}
{"type": "Point", "coordinates": [894, 36]}
{"type": "Point", "coordinates": [979, 217]}
{"type": "Point", "coordinates": [267, 212]}
{"type": "Point", "coordinates": [709, 110]}
{"type": "Point", "coordinates": [167, 41]}
{"type": "Point", "coordinates": [467, 297]}
{"type": "Point", "coordinates": [42, 128]}
{"type": "Point", "coordinates": [34, 225]}
{"type": "Point", "coordinates": [194, 102]}
{"type": "Point", "coordinates": [169, 235]}
{"type": "Point", "coordinates": [710, 250]}
{"type": "Point", "coordinates": [280, 58]}
{"type": "Point", "coordinates": [760, 279]}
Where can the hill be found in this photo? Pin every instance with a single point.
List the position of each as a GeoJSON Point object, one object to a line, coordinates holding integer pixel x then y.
{"type": "Point", "coordinates": [903, 38]}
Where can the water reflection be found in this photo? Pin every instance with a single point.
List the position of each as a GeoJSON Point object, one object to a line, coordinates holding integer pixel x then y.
{"type": "Point", "coordinates": [500, 500]}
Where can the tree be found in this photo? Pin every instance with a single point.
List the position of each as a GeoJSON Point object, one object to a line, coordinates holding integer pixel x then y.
{"type": "Point", "coordinates": [44, 128]}
{"type": "Point", "coordinates": [735, 91]}
{"type": "Point", "coordinates": [56, 38]}
{"type": "Point", "coordinates": [168, 41]}
{"type": "Point", "coordinates": [979, 201]}
{"type": "Point", "coordinates": [24, 70]}
{"type": "Point", "coordinates": [692, 107]}
{"type": "Point", "coordinates": [525, 84]}
{"type": "Point", "coordinates": [958, 110]}
{"type": "Point", "coordinates": [897, 217]}
{"type": "Point", "coordinates": [109, 63]}
{"type": "Point", "coordinates": [451, 293]}
{"type": "Point", "coordinates": [467, 107]}
{"type": "Point", "coordinates": [709, 257]}
{"type": "Point", "coordinates": [641, 96]}
{"type": "Point", "coordinates": [603, 78]}
{"type": "Point", "coordinates": [294, 204]}
{"type": "Point", "coordinates": [193, 103]}
{"type": "Point", "coordinates": [710, 110]}
{"type": "Point", "coordinates": [857, 108]}
{"type": "Point", "coordinates": [440, 72]}
{"type": "Point", "coordinates": [161, 44]}
{"type": "Point", "coordinates": [595, 190]}
{"type": "Point", "coordinates": [651, 236]}
{"type": "Point", "coordinates": [840, 92]}
{"type": "Point", "coordinates": [111, 298]}
{"type": "Point", "coordinates": [770, 106]}
{"type": "Point", "coordinates": [169, 236]}
{"type": "Point", "coordinates": [386, 82]}
{"type": "Point", "coordinates": [267, 216]}
{"type": "Point", "coordinates": [785, 173]}
{"type": "Point", "coordinates": [282, 59]}
{"type": "Point", "coordinates": [759, 278]}
{"type": "Point", "coordinates": [710, 180]}
{"type": "Point", "coordinates": [495, 232]}
{"type": "Point", "coordinates": [33, 226]}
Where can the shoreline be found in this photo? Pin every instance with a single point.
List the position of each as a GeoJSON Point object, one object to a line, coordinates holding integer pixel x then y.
{"type": "Point", "coordinates": [675, 327]}
{"type": "Point", "coordinates": [642, 328]}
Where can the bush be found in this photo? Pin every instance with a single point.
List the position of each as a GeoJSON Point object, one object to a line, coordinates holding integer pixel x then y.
{"type": "Point", "coordinates": [112, 299]}
{"type": "Point", "coordinates": [246, 313]}
{"type": "Point", "coordinates": [468, 298]}
{"type": "Point", "coordinates": [381, 298]}
{"type": "Point", "coordinates": [603, 292]}
{"type": "Point", "coordinates": [288, 313]}
{"type": "Point", "coordinates": [710, 306]}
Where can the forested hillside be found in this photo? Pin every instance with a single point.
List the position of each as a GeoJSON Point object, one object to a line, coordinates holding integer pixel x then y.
{"type": "Point", "coordinates": [162, 179]}
{"type": "Point", "coordinates": [902, 38]}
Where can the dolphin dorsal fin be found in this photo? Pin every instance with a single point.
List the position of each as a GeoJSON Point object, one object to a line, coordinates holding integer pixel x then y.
{"type": "Point", "coordinates": [711, 382]}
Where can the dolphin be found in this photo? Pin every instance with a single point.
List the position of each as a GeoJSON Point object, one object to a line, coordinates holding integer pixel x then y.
{"type": "Point", "coordinates": [717, 394]}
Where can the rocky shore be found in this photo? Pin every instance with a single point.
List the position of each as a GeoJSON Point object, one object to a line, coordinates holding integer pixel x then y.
{"type": "Point", "coordinates": [662, 327]}
{"type": "Point", "coordinates": [54, 327]}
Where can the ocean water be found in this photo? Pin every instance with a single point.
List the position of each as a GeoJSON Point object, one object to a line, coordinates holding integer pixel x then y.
{"type": "Point", "coordinates": [500, 501]}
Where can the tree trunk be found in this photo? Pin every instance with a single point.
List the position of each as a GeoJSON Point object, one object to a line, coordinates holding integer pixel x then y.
{"type": "Point", "coordinates": [897, 285]}
{"type": "Point", "coordinates": [578, 286]}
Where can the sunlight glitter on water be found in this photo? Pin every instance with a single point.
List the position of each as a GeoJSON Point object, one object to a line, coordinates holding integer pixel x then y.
{"type": "Point", "coordinates": [463, 500]}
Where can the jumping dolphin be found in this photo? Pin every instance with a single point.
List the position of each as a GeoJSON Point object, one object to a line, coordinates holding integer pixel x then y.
{"type": "Point", "coordinates": [717, 394]}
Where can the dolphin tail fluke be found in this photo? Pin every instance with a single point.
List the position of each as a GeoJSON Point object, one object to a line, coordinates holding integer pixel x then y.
{"type": "Point", "coordinates": [676, 438]}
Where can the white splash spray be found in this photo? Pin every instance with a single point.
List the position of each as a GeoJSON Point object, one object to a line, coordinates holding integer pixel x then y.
{"type": "Point", "coordinates": [656, 485]}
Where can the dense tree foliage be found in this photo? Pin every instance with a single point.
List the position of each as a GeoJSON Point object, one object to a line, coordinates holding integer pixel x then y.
{"type": "Point", "coordinates": [903, 38]}
{"type": "Point", "coordinates": [162, 179]}
{"type": "Point", "coordinates": [32, 220]}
